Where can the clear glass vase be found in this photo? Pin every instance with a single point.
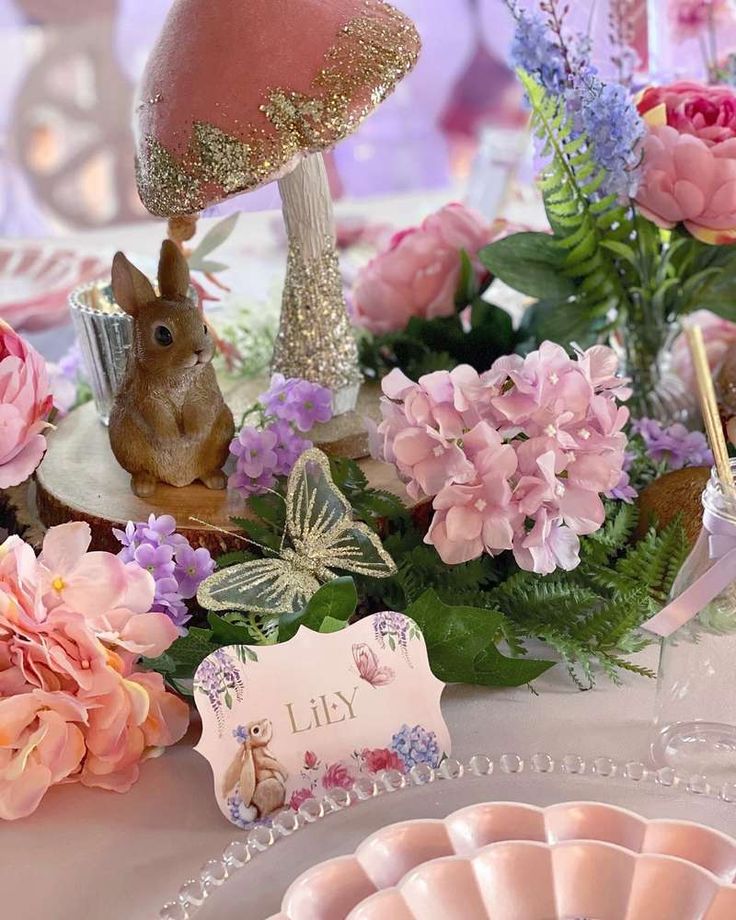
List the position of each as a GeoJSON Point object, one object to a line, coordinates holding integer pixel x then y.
{"type": "Point", "coordinates": [696, 691]}
{"type": "Point", "coordinates": [645, 357]}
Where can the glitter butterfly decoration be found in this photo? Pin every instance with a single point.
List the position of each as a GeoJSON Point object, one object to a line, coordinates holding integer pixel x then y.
{"type": "Point", "coordinates": [322, 539]}
{"type": "Point", "coordinates": [366, 661]}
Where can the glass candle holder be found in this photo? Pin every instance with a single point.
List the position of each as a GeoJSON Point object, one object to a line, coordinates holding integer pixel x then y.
{"type": "Point", "coordinates": [105, 334]}
{"type": "Point", "coordinates": [696, 690]}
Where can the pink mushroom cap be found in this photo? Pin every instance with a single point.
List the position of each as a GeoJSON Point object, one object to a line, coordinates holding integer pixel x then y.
{"type": "Point", "coordinates": [236, 92]}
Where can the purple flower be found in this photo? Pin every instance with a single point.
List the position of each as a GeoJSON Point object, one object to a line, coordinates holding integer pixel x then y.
{"type": "Point", "coordinates": [624, 491]}
{"type": "Point", "coordinates": [534, 51]}
{"type": "Point", "coordinates": [168, 600]}
{"type": "Point", "coordinates": [275, 399]}
{"type": "Point", "coordinates": [158, 560]}
{"type": "Point", "coordinates": [308, 403]}
{"type": "Point", "coordinates": [290, 445]}
{"type": "Point", "coordinates": [247, 486]}
{"type": "Point", "coordinates": [241, 734]}
{"type": "Point", "coordinates": [255, 451]}
{"type": "Point", "coordinates": [676, 445]}
{"type": "Point", "coordinates": [192, 567]}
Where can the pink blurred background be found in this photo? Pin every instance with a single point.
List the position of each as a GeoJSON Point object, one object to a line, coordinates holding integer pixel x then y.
{"type": "Point", "coordinates": [69, 69]}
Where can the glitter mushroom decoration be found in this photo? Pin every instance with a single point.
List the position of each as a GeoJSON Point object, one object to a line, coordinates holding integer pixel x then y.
{"type": "Point", "coordinates": [238, 94]}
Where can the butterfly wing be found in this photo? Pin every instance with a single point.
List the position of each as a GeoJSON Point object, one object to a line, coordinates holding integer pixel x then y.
{"type": "Point", "coordinates": [320, 520]}
{"type": "Point", "coordinates": [267, 586]}
{"type": "Point", "coordinates": [316, 510]}
{"type": "Point", "coordinates": [383, 676]}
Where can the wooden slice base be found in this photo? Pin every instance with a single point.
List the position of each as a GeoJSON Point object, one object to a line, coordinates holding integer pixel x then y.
{"type": "Point", "coordinates": [80, 480]}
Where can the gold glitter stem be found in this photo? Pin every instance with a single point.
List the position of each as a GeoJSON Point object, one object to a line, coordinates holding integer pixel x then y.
{"type": "Point", "coordinates": [315, 339]}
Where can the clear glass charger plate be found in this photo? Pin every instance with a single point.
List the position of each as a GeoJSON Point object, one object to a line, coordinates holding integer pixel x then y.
{"type": "Point", "coordinates": [248, 880]}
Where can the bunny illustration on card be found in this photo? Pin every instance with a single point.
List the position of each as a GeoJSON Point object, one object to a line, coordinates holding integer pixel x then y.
{"type": "Point", "coordinates": [285, 723]}
{"type": "Point", "coordinates": [169, 422]}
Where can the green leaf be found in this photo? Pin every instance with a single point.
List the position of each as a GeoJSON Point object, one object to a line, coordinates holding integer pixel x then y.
{"type": "Point", "coordinates": [461, 642]}
{"type": "Point", "coordinates": [225, 633]}
{"type": "Point", "coordinates": [530, 263]}
{"type": "Point", "coordinates": [466, 288]}
{"type": "Point", "coordinates": [211, 240]}
{"type": "Point", "coordinates": [336, 600]}
{"type": "Point", "coordinates": [331, 624]}
{"type": "Point", "coordinates": [185, 655]}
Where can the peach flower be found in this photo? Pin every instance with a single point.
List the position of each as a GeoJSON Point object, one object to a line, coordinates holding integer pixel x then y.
{"type": "Point", "coordinates": [689, 170]}
{"type": "Point", "coordinates": [41, 743]}
{"type": "Point", "coordinates": [25, 403]}
{"type": "Point", "coordinates": [73, 625]}
{"type": "Point", "coordinates": [419, 273]}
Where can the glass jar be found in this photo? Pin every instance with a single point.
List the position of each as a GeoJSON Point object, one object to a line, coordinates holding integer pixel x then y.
{"type": "Point", "coordinates": [696, 690]}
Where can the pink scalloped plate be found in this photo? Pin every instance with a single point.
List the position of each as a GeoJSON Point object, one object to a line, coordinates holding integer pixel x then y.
{"type": "Point", "coordinates": [36, 278]}
{"type": "Point", "coordinates": [389, 869]}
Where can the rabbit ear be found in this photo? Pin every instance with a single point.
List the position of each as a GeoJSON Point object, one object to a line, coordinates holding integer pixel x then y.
{"type": "Point", "coordinates": [130, 287]}
{"type": "Point", "coordinates": [173, 272]}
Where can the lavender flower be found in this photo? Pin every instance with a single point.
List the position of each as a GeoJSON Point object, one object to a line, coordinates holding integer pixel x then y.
{"type": "Point", "coordinates": [288, 448]}
{"type": "Point", "coordinates": [176, 567]}
{"type": "Point", "coordinates": [308, 403]}
{"type": "Point", "coordinates": [275, 399]}
{"type": "Point", "coordinates": [156, 559]}
{"type": "Point", "coordinates": [624, 491]}
{"type": "Point", "coordinates": [192, 567]}
{"type": "Point", "coordinates": [255, 451]}
{"type": "Point", "coordinates": [676, 445]}
{"type": "Point", "coordinates": [533, 50]}
{"type": "Point", "coordinates": [272, 450]}
{"type": "Point", "coordinates": [242, 483]}
{"type": "Point", "coordinates": [605, 114]}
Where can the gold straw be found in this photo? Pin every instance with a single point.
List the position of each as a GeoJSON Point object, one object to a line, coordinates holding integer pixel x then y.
{"type": "Point", "coordinates": [709, 408]}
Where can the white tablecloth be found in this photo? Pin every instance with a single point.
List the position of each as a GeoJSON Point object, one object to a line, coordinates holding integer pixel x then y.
{"type": "Point", "coordinates": [92, 855]}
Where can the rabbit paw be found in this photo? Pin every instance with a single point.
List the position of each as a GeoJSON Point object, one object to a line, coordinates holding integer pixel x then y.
{"type": "Point", "coordinates": [143, 484]}
{"type": "Point", "coordinates": [216, 480]}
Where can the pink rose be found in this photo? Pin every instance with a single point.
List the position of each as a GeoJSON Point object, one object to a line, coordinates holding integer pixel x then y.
{"type": "Point", "coordinates": [380, 759]}
{"type": "Point", "coordinates": [299, 797]}
{"type": "Point", "coordinates": [311, 761]}
{"type": "Point", "coordinates": [25, 402]}
{"type": "Point", "coordinates": [337, 776]}
{"type": "Point", "coordinates": [689, 171]}
{"type": "Point", "coordinates": [419, 273]}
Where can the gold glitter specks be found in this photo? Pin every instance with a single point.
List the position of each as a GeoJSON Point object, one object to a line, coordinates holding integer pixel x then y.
{"type": "Point", "coordinates": [164, 187]}
{"type": "Point", "coordinates": [370, 55]}
{"type": "Point", "coordinates": [315, 340]}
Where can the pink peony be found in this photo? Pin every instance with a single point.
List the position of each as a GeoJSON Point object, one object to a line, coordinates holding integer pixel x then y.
{"type": "Point", "coordinates": [73, 625]}
{"type": "Point", "coordinates": [337, 776]}
{"type": "Point", "coordinates": [380, 759]}
{"type": "Point", "coordinates": [419, 273]}
{"type": "Point", "coordinates": [689, 172]}
{"type": "Point", "coordinates": [25, 403]}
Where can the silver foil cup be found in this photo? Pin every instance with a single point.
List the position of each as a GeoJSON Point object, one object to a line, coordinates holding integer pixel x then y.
{"type": "Point", "coordinates": [105, 334]}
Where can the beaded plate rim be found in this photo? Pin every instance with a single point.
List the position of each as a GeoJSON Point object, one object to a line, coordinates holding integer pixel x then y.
{"type": "Point", "coordinates": [215, 872]}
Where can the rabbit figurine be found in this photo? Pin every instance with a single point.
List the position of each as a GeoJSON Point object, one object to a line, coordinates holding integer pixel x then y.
{"type": "Point", "coordinates": [169, 422]}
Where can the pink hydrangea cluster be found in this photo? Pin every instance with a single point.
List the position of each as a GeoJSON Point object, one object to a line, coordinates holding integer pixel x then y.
{"type": "Point", "coordinates": [73, 704]}
{"type": "Point", "coordinates": [514, 459]}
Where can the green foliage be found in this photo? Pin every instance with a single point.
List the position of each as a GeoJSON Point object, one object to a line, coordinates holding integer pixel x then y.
{"type": "Point", "coordinates": [461, 642]}
{"type": "Point", "coordinates": [334, 603]}
{"type": "Point", "coordinates": [576, 272]}
{"type": "Point", "coordinates": [477, 618]}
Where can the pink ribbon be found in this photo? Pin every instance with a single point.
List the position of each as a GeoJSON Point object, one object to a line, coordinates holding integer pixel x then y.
{"type": "Point", "coordinates": [685, 607]}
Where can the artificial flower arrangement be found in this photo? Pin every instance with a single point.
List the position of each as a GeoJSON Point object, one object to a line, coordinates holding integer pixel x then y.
{"type": "Point", "coordinates": [641, 198]}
